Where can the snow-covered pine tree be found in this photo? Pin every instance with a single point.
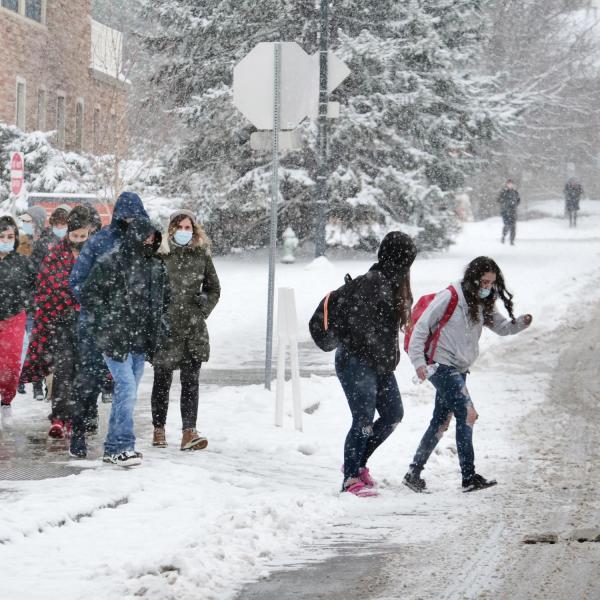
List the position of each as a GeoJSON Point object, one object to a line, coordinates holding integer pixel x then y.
{"type": "Point", "coordinates": [413, 112]}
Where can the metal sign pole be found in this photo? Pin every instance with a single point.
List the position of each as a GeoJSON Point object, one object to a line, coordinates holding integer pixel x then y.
{"type": "Point", "coordinates": [274, 199]}
{"type": "Point", "coordinates": [321, 187]}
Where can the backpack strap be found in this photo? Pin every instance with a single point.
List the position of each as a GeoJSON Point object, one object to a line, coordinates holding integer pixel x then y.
{"type": "Point", "coordinates": [435, 337]}
{"type": "Point", "coordinates": [326, 312]}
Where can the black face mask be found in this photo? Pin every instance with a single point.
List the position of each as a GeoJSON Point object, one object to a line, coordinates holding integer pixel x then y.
{"type": "Point", "coordinates": [122, 225]}
{"type": "Point", "coordinates": [148, 251]}
{"type": "Point", "coordinates": [76, 245]}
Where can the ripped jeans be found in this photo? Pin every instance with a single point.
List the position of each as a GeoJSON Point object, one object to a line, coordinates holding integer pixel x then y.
{"type": "Point", "coordinates": [452, 397]}
{"type": "Point", "coordinates": [367, 391]}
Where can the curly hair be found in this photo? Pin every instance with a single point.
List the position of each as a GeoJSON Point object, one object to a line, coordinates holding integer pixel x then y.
{"type": "Point", "coordinates": [470, 285]}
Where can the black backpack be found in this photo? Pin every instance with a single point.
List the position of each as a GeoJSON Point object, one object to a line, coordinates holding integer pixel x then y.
{"type": "Point", "coordinates": [327, 323]}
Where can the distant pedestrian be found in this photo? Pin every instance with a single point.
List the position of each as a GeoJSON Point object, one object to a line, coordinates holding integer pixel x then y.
{"type": "Point", "coordinates": [17, 281]}
{"type": "Point", "coordinates": [456, 350]}
{"type": "Point", "coordinates": [573, 194]}
{"type": "Point", "coordinates": [368, 354]}
{"type": "Point", "coordinates": [53, 347]}
{"type": "Point", "coordinates": [509, 200]}
{"type": "Point", "coordinates": [126, 297]}
{"type": "Point", "coordinates": [194, 292]}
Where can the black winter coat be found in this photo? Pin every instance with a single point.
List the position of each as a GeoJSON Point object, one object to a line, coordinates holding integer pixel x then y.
{"type": "Point", "coordinates": [194, 292]}
{"type": "Point", "coordinates": [509, 199]}
{"type": "Point", "coordinates": [120, 323]}
{"type": "Point", "coordinates": [17, 285]}
{"type": "Point", "coordinates": [370, 327]}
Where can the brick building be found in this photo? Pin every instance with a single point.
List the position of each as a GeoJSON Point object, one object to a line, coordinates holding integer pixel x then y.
{"type": "Point", "coordinates": [61, 70]}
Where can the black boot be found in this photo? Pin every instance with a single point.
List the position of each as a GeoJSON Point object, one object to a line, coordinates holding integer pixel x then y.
{"type": "Point", "coordinates": [477, 482]}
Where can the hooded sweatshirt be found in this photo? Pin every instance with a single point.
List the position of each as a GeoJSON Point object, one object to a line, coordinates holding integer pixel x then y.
{"type": "Point", "coordinates": [458, 345]}
{"type": "Point", "coordinates": [128, 206]}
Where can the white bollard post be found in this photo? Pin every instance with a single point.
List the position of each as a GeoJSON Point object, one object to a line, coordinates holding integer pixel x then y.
{"type": "Point", "coordinates": [287, 326]}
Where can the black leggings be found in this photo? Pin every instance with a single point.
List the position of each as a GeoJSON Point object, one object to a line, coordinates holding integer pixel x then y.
{"type": "Point", "coordinates": [189, 376]}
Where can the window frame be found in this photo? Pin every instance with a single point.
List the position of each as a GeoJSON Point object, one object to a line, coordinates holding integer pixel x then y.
{"type": "Point", "coordinates": [21, 116]}
{"type": "Point", "coordinates": [79, 124]}
{"type": "Point", "coordinates": [42, 116]}
{"type": "Point", "coordinates": [61, 136]}
{"type": "Point", "coordinates": [22, 11]}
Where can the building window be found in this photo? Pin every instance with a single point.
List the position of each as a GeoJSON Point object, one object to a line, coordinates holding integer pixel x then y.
{"type": "Point", "coordinates": [21, 106]}
{"type": "Point", "coordinates": [41, 110]}
{"type": "Point", "coordinates": [11, 5]}
{"type": "Point", "coordinates": [79, 125]}
{"type": "Point", "coordinates": [61, 120]}
{"type": "Point", "coordinates": [33, 10]}
{"type": "Point", "coordinates": [96, 130]}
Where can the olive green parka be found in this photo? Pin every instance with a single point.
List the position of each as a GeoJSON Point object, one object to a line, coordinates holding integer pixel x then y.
{"type": "Point", "coordinates": [195, 291]}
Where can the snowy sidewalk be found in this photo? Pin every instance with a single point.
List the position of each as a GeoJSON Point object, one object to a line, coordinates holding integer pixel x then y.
{"type": "Point", "coordinates": [198, 526]}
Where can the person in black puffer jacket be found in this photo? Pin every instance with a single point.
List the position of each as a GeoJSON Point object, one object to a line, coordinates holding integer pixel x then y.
{"type": "Point", "coordinates": [126, 296]}
{"type": "Point", "coordinates": [509, 200]}
{"type": "Point", "coordinates": [368, 354]}
{"type": "Point", "coordinates": [17, 275]}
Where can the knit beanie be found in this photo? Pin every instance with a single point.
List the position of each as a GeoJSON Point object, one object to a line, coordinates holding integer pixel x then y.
{"type": "Point", "coordinates": [183, 212]}
{"type": "Point", "coordinates": [397, 250]}
{"type": "Point", "coordinates": [79, 217]}
{"type": "Point", "coordinates": [38, 214]}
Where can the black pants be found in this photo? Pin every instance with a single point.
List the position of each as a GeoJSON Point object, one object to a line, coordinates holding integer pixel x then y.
{"type": "Point", "coordinates": [65, 353]}
{"type": "Point", "coordinates": [91, 375]}
{"type": "Point", "coordinates": [189, 377]}
{"type": "Point", "coordinates": [509, 227]}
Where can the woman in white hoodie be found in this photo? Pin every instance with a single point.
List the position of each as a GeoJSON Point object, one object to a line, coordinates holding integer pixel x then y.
{"type": "Point", "coordinates": [456, 350]}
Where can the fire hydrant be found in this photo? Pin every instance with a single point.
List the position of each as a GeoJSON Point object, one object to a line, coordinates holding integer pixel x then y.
{"type": "Point", "coordinates": [290, 243]}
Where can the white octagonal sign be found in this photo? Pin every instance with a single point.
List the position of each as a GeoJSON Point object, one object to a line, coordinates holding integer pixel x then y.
{"type": "Point", "coordinates": [253, 85]}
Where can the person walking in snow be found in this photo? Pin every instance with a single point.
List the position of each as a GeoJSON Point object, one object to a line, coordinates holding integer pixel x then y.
{"type": "Point", "coordinates": [32, 224]}
{"type": "Point", "coordinates": [456, 350]}
{"type": "Point", "coordinates": [126, 297]}
{"type": "Point", "coordinates": [17, 277]}
{"type": "Point", "coordinates": [509, 200]}
{"type": "Point", "coordinates": [92, 371]}
{"type": "Point", "coordinates": [194, 292]}
{"type": "Point", "coordinates": [52, 235]}
{"type": "Point", "coordinates": [53, 347]}
{"type": "Point", "coordinates": [368, 354]}
{"type": "Point", "coordinates": [573, 193]}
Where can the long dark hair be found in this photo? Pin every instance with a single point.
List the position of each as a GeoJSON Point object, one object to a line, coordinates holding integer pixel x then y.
{"type": "Point", "coordinates": [470, 285]}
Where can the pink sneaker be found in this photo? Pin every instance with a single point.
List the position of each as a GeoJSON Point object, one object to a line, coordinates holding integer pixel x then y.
{"type": "Point", "coordinates": [366, 478]}
{"type": "Point", "coordinates": [361, 490]}
{"type": "Point", "coordinates": [57, 429]}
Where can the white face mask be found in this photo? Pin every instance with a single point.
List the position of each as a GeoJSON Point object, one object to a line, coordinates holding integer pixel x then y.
{"type": "Point", "coordinates": [59, 232]}
{"type": "Point", "coordinates": [483, 293]}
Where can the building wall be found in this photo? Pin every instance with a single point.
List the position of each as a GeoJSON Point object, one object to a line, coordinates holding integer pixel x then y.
{"type": "Point", "coordinates": [56, 56]}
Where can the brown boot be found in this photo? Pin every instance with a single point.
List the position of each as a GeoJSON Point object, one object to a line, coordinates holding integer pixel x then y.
{"type": "Point", "coordinates": [191, 440]}
{"type": "Point", "coordinates": [158, 439]}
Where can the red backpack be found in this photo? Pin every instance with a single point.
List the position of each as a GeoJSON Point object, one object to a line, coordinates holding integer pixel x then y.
{"type": "Point", "coordinates": [419, 308]}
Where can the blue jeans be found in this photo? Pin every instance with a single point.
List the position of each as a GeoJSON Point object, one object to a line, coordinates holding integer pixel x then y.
{"type": "Point", "coordinates": [127, 376]}
{"type": "Point", "coordinates": [367, 391]}
{"type": "Point", "coordinates": [452, 397]}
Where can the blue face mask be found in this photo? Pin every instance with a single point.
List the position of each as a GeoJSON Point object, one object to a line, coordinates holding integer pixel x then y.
{"type": "Point", "coordinates": [6, 247]}
{"type": "Point", "coordinates": [59, 233]}
{"type": "Point", "coordinates": [484, 293]}
{"type": "Point", "coordinates": [183, 238]}
{"type": "Point", "coordinates": [27, 228]}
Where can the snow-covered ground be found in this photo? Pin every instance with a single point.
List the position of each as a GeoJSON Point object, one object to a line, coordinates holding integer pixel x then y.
{"type": "Point", "coordinates": [197, 526]}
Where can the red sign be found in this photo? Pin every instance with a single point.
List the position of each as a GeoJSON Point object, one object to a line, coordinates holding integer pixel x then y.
{"type": "Point", "coordinates": [16, 162]}
{"type": "Point", "coordinates": [17, 173]}
{"type": "Point", "coordinates": [16, 183]}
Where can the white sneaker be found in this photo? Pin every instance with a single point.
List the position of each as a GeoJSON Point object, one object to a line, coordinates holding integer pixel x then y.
{"type": "Point", "coordinates": [6, 415]}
